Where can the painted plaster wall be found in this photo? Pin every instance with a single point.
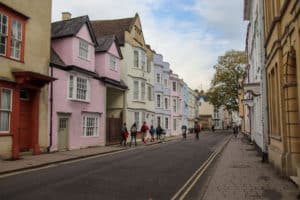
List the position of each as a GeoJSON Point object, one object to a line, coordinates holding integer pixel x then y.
{"type": "Point", "coordinates": [102, 61]}
{"type": "Point", "coordinates": [62, 104]}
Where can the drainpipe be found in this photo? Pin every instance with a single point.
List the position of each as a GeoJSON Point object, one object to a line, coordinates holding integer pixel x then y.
{"type": "Point", "coordinates": [51, 111]}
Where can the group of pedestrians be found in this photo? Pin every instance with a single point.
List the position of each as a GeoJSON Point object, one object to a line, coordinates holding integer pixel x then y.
{"type": "Point", "coordinates": [159, 131]}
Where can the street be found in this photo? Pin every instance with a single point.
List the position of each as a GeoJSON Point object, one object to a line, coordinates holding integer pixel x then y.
{"type": "Point", "coordinates": [152, 172]}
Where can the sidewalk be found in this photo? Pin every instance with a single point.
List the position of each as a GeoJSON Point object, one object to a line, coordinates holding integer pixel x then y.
{"type": "Point", "coordinates": [31, 162]}
{"type": "Point", "coordinates": [240, 174]}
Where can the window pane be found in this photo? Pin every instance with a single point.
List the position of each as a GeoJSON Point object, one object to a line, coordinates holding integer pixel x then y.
{"type": "Point", "coordinates": [143, 90]}
{"type": "Point", "coordinates": [6, 99]}
{"type": "Point", "coordinates": [83, 49]}
{"type": "Point", "coordinates": [136, 59]}
{"type": "Point", "coordinates": [2, 44]}
{"type": "Point", "coordinates": [71, 86]}
{"type": "Point", "coordinates": [136, 90]}
{"type": "Point", "coordinates": [81, 88]}
{"type": "Point", "coordinates": [4, 120]}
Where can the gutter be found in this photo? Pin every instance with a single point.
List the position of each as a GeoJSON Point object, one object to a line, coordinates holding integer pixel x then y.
{"type": "Point", "coordinates": [51, 112]}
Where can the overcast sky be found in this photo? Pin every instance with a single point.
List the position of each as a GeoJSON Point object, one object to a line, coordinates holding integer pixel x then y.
{"type": "Point", "coordinates": [190, 34]}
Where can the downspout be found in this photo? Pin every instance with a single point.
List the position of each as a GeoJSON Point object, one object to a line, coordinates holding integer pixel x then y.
{"type": "Point", "coordinates": [51, 111]}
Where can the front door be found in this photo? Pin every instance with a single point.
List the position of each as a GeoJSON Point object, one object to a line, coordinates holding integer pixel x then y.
{"type": "Point", "coordinates": [25, 137]}
{"type": "Point", "coordinates": [63, 126]}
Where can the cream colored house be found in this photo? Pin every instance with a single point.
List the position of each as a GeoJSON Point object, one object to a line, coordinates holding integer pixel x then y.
{"type": "Point", "coordinates": [24, 58]}
{"type": "Point", "coordinates": [136, 67]}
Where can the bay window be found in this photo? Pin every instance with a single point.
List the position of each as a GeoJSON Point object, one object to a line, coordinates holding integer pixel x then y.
{"type": "Point", "coordinates": [78, 88]}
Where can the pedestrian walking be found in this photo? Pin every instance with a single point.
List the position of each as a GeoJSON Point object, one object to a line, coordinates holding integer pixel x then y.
{"type": "Point", "coordinates": [183, 130]}
{"type": "Point", "coordinates": [152, 131]}
{"type": "Point", "coordinates": [213, 128]}
{"type": "Point", "coordinates": [133, 133]}
{"type": "Point", "coordinates": [144, 130]}
{"type": "Point", "coordinates": [197, 130]}
{"type": "Point", "coordinates": [235, 131]}
{"type": "Point", "coordinates": [158, 132]}
{"type": "Point", "coordinates": [124, 135]}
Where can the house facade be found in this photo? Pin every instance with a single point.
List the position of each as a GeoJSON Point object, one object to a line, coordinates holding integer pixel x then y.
{"type": "Point", "coordinates": [206, 112]}
{"type": "Point", "coordinates": [282, 44]}
{"type": "Point", "coordinates": [77, 102]}
{"type": "Point", "coordinates": [254, 83]}
{"type": "Point", "coordinates": [185, 99]}
{"type": "Point", "coordinates": [137, 67]}
{"type": "Point", "coordinates": [176, 85]}
{"type": "Point", "coordinates": [192, 108]}
{"type": "Point", "coordinates": [24, 57]}
{"type": "Point", "coordinates": [162, 93]}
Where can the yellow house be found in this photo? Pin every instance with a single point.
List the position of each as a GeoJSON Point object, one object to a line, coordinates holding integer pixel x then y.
{"type": "Point", "coordinates": [24, 59]}
{"type": "Point", "coordinates": [282, 43]}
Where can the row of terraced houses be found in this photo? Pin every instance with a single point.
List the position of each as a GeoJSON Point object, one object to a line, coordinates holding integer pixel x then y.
{"type": "Point", "coordinates": [73, 83]}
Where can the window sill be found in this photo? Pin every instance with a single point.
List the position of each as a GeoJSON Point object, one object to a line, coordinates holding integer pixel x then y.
{"type": "Point", "coordinates": [14, 59]}
{"type": "Point", "coordinates": [139, 101]}
{"type": "Point", "coordinates": [5, 134]}
{"type": "Point", "coordinates": [78, 100]}
{"type": "Point", "coordinates": [85, 59]}
{"type": "Point", "coordinates": [96, 136]}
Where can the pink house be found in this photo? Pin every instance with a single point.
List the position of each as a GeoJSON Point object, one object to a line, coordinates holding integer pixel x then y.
{"type": "Point", "coordinates": [78, 98]}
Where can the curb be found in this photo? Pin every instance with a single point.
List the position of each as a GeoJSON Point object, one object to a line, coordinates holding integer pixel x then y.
{"type": "Point", "coordinates": [23, 169]}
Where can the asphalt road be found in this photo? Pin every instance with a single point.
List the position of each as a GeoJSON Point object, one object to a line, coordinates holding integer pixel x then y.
{"type": "Point", "coordinates": [152, 172]}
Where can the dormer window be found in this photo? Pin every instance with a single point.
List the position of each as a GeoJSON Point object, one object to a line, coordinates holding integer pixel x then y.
{"type": "Point", "coordinates": [112, 62]}
{"type": "Point", "coordinates": [83, 49]}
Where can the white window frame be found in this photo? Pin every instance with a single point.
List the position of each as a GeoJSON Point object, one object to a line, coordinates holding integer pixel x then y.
{"type": "Point", "coordinates": [159, 120]}
{"type": "Point", "coordinates": [166, 104]}
{"type": "Point", "coordinates": [149, 92]}
{"type": "Point", "coordinates": [113, 62]}
{"type": "Point", "coordinates": [72, 93]}
{"type": "Point", "coordinates": [136, 90]}
{"type": "Point", "coordinates": [175, 124]}
{"type": "Point", "coordinates": [136, 58]}
{"type": "Point", "coordinates": [5, 35]}
{"type": "Point", "coordinates": [16, 40]}
{"type": "Point", "coordinates": [7, 110]}
{"type": "Point", "coordinates": [158, 101]}
{"type": "Point", "coordinates": [85, 124]}
{"type": "Point", "coordinates": [174, 105]}
{"type": "Point", "coordinates": [83, 49]}
{"type": "Point", "coordinates": [174, 90]}
{"type": "Point", "coordinates": [158, 78]}
{"type": "Point", "coordinates": [166, 82]}
{"type": "Point", "coordinates": [143, 60]}
{"type": "Point", "coordinates": [166, 122]}
{"type": "Point", "coordinates": [143, 90]}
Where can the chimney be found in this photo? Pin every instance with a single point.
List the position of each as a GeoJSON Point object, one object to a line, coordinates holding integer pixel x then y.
{"type": "Point", "coordinates": [66, 15]}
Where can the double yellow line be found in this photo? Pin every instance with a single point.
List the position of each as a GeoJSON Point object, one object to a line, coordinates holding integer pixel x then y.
{"type": "Point", "coordinates": [186, 188]}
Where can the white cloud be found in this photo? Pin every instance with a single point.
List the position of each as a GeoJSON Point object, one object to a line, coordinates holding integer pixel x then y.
{"type": "Point", "coordinates": [190, 47]}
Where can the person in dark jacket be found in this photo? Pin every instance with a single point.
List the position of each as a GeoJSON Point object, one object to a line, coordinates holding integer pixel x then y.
{"type": "Point", "coordinates": [133, 133]}
{"type": "Point", "coordinates": [158, 132]}
{"type": "Point", "coordinates": [197, 130]}
{"type": "Point", "coordinates": [124, 135]}
{"type": "Point", "coordinates": [235, 131]}
{"type": "Point", "coordinates": [152, 131]}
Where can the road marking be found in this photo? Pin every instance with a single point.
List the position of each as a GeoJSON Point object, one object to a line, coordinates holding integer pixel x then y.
{"type": "Point", "coordinates": [186, 188]}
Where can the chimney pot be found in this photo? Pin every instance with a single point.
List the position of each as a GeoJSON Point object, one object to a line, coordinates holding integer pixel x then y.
{"type": "Point", "coordinates": [66, 15]}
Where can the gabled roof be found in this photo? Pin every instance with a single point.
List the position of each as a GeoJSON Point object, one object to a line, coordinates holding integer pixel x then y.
{"type": "Point", "coordinates": [55, 59]}
{"type": "Point", "coordinates": [70, 27]}
{"type": "Point", "coordinates": [105, 42]}
{"type": "Point", "coordinates": [115, 27]}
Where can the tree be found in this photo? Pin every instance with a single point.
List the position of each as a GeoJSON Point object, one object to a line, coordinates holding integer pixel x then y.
{"type": "Point", "coordinates": [224, 85]}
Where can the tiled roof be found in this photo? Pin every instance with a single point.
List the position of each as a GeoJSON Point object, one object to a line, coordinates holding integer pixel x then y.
{"type": "Point", "coordinates": [55, 59]}
{"type": "Point", "coordinates": [105, 42]}
{"type": "Point", "coordinates": [115, 27]}
{"type": "Point", "coordinates": [70, 27]}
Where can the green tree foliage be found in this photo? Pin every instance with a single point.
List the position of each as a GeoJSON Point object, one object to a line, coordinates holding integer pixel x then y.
{"type": "Point", "coordinates": [224, 85]}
